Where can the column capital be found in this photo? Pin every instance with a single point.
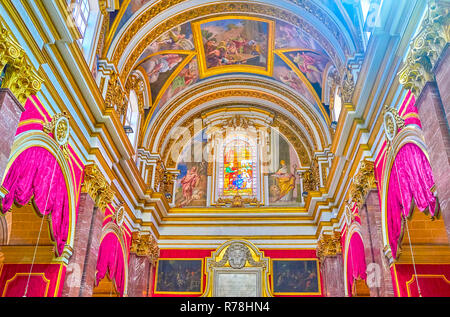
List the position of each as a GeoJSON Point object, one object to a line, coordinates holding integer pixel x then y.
{"type": "Point", "coordinates": [20, 76]}
{"type": "Point", "coordinates": [362, 183]}
{"type": "Point", "coordinates": [426, 47]}
{"type": "Point", "coordinates": [328, 245]}
{"type": "Point", "coordinates": [144, 245]}
{"type": "Point", "coordinates": [97, 187]}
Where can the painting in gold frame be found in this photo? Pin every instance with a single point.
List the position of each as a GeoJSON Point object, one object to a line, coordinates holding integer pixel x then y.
{"type": "Point", "coordinates": [231, 44]}
{"type": "Point", "coordinates": [295, 277]}
{"type": "Point", "coordinates": [179, 276]}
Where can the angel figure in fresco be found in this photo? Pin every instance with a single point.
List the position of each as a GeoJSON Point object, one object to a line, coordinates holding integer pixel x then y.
{"type": "Point", "coordinates": [179, 40]}
{"type": "Point", "coordinates": [164, 64]}
{"type": "Point", "coordinates": [188, 184]}
{"type": "Point", "coordinates": [306, 64]}
{"type": "Point", "coordinates": [285, 180]}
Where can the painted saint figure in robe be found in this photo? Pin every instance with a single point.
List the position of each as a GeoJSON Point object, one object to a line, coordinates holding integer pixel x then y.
{"type": "Point", "coordinates": [285, 182]}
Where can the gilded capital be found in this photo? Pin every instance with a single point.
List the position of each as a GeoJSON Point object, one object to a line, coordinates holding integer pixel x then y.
{"type": "Point", "coordinates": [20, 76]}
{"type": "Point", "coordinates": [328, 245]}
{"type": "Point", "coordinates": [362, 183]}
{"type": "Point", "coordinates": [426, 48]}
{"type": "Point", "coordinates": [144, 245]}
{"type": "Point", "coordinates": [97, 187]}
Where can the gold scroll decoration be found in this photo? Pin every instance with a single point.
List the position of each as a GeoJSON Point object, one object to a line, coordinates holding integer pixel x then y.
{"type": "Point", "coordinates": [362, 183]}
{"type": "Point", "coordinates": [144, 245]}
{"type": "Point", "coordinates": [426, 47]}
{"type": "Point", "coordinates": [97, 187]}
{"type": "Point", "coordinates": [328, 245]}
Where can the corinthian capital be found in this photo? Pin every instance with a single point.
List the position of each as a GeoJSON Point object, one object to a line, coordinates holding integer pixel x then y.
{"type": "Point", "coordinates": [362, 183]}
{"type": "Point", "coordinates": [144, 245]}
{"type": "Point", "coordinates": [20, 76]}
{"type": "Point", "coordinates": [97, 187]}
{"type": "Point", "coordinates": [328, 245]}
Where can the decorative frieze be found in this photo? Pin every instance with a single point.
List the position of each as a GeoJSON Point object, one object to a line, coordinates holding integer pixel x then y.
{"type": "Point", "coordinates": [426, 47]}
{"type": "Point", "coordinates": [144, 245]}
{"type": "Point", "coordinates": [328, 245]}
{"type": "Point", "coordinates": [362, 183]}
{"type": "Point", "coordinates": [19, 75]}
{"type": "Point", "coordinates": [97, 187]}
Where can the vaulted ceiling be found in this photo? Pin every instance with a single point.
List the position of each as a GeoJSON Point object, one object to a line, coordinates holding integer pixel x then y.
{"type": "Point", "coordinates": [286, 57]}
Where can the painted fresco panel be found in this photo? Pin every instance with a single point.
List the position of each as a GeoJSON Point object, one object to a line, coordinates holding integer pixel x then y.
{"type": "Point", "coordinates": [179, 276]}
{"type": "Point", "coordinates": [292, 277]}
{"type": "Point", "coordinates": [288, 36]}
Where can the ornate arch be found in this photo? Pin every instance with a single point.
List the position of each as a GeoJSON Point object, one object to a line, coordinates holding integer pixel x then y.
{"type": "Point", "coordinates": [34, 138]}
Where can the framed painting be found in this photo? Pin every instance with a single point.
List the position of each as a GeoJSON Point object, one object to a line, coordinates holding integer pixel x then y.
{"type": "Point", "coordinates": [234, 44]}
{"type": "Point", "coordinates": [296, 277]}
{"type": "Point", "coordinates": [179, 276]}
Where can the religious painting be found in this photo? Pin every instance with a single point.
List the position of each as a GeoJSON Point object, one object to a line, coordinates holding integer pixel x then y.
{"type": "Point", "coordinates": [312, 65]}
{"type": "Point", "coordinates": [234, 44]}
{"type": "Point", "coordinates": [158, 69]}
{"type": "Point", "coordinates": [283, 186]}
{"type": "Point", "coordinates": [179, 276]}
{"type": "Point", "coordinates": [238, 171]}
{"type": "Point", "coordinates": [295, 277]}
{"type": "Point", "coordinates": [283, 73]}
{"type": "Point", "coordinates": [131, 9]}
{"type": "Point", "coordinates": [289, 36]}
{"type": "Point", "coordinates": [191, 183]}
{"type": "Point", "coordinates": [185, 78]}
{"type": "Point", "coordinates": [178, 38]}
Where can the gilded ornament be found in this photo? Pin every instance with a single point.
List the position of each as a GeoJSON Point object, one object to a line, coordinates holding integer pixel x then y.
{"type": "Point", "coordinates": [362, 183]}
{"type": "Point", "coordinates": [426, 47]}
{"type": "Point", "coordinates": [237, 255]}
{"type": "Point", "coordinates": [60, 127]}
{"type": "Point", "coordinates": [97, 187]}
{"type": "Point", "coordinates": [144, 245]}
{"type": "Point", "coordinates": [328, 245]}
{"type": "Point", "coordinates": [392, 122]}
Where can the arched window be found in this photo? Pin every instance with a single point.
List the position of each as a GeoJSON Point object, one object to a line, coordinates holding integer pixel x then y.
{"type": "Point", "coordinates": [131, 122]}
{"type": "Point", "coordinates": [238, 167]}
{"type": "Point", "coordinates": [80, 12]}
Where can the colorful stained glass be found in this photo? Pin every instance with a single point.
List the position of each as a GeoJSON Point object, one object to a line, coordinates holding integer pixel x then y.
{"type": "Point", "coordinates": [238, 170]}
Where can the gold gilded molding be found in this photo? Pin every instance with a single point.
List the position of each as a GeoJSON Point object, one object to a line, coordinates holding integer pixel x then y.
{"type": "Point", "coordinates": [97, 187]}
{"type": "Point", "coordinates": [426, 47]}
{"type": "Point", "coordinates": [362, 183]}
{"type": "Point", "coordinates": [328, 245]}
{"type": "Point", "coordinates": [115, 96]}
{"type": "Point", "coordinates": [144, 245]}
{"type": "Point", "coordinates": [20, 76]}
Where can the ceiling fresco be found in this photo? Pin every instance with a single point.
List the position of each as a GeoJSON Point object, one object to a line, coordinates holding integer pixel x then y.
{"type": "Point", "coordinates": [195, 51]}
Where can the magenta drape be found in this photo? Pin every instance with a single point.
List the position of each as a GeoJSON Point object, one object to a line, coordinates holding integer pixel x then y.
{"type": "Point", "coordinates": [356, 260]}
{"type": "Point", "coordinates": [411, 179]}
{"type": "Point", "coordinates": [111, 260]}
{"type": "Point", "coordinates": [36, 174]}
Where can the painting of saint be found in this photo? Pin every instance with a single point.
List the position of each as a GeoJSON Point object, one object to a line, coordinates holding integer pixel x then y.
{"type": "Point", "coordinates": [191, 183]}
{"type": "Point", "coordinates": [282, 180]}
{"type": "Point", "coordinates": [179, 276]}
{"type": "Point", "coordinates": [295, 277]}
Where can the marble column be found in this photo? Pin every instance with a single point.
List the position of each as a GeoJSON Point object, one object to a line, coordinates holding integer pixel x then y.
{"type": "Point", "coordinates": [437, 138]}
{"type": "Point", "coordinates": [92, 248]}
{"type": "Point", "coordinates": [139, 276]}
{"type": "Point", "coordinates": [10, 111]}
{"type": "Point", "coordinates": [379, 278]}
{"type": "Point", "coordinates": [83, 228]}
{"type": "Point", "coordinates": [332, 270]}
{"type": "Point", "coordinates": [442, 75]}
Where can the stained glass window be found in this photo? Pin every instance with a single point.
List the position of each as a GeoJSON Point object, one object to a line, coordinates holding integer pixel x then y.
{"type": "Point", "coordinates": [238, 168]}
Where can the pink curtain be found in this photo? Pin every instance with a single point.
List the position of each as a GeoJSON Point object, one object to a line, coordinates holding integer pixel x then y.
{"type": "Point", "coordinates": [356, 261]}
{"type": "Point", "coordinates": [110, 259]}
{"type": "Point", "coordinates": [36, 174]}
{"type": "Point", "coordinates": [411, 178]}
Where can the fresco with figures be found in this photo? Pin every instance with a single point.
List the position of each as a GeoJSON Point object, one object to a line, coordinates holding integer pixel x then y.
{"type": "Point", "coordinates": [179, 276]}
{"type": "Point", "coordinates": [191, 183]}
{"type": "Point", "coordinates": [292, 277]}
